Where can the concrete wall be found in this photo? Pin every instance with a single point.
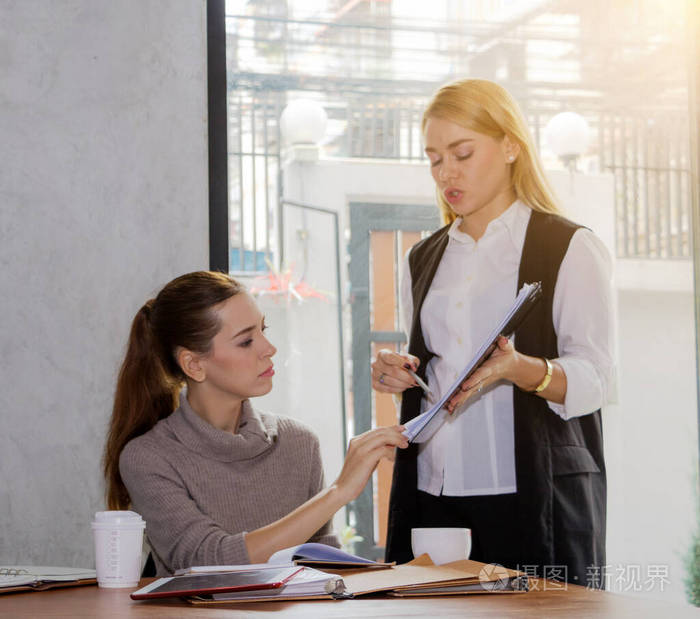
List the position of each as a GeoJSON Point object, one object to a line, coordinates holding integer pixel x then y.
{"type": "Point", "coordinates": [103, 198]}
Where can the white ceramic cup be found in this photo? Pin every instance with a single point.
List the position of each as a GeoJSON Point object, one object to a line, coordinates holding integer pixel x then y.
{"type": "Point", "coordinates": [443, 544]}
{"type": "Point", "coordinates": [118, 546]}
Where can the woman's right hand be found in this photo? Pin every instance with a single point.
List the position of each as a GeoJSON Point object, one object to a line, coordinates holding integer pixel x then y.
{"type": "Point", "coordinates": [364, 453]}
{"type": "Point", "coordinates": [389, 371]}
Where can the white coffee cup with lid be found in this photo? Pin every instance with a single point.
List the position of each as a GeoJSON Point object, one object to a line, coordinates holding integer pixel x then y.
{"type": "Point", "coordinates": [118, 546]}
{"type": "Point", "coordinates": [443, 544]}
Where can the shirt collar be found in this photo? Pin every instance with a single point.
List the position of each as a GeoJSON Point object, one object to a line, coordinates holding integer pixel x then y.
{"type": "Point", "coordinates": [513, 220]}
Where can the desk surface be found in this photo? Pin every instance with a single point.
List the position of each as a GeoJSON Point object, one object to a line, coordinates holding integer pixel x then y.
{"type": "Point", "coordinates": [574, 602]}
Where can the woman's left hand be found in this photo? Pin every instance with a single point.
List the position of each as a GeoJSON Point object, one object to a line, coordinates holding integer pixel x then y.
{"type": "Point", "coordinates": [498, 366]}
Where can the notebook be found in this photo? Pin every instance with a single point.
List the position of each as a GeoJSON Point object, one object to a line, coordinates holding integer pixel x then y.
{"type": "Point", "coordinates": [15, 578]}
{"type": "Point", "coordinates": [323, 556]}
{"type": "Point", "coordinates": [311, 554]}
{"type": "Point", "coordinates": [420, 577]}
{"type": "Point", "coordinates": [307, 584]}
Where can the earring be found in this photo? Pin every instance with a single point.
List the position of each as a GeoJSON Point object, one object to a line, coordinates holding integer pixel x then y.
{"type": "Point", "coordinates": [511, 159]}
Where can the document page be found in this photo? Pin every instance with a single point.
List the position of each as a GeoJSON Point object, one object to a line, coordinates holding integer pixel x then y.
{"type": "Point", "coordinates": [421, 428]}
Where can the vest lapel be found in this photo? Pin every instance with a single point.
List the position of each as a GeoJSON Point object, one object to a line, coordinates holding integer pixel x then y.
{"type": "Point", "coordinates": [423, 265]}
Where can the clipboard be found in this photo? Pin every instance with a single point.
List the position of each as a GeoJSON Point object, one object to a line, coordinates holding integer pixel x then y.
{"type": "Point", "coordinates": [421, 428]}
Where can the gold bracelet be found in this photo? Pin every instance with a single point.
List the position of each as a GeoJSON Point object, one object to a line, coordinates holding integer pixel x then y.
{"type": "Point", "coordinates": [547, 377]}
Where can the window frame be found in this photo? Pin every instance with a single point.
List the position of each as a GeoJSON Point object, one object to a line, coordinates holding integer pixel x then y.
{"type": "Point", "coordinates": [218, 143]}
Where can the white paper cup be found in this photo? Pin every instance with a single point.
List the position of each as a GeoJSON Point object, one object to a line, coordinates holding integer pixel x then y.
{"type": "Point", "coordinates": [443, 544]}
{"type": "Point", "coordinates": [118, 546]}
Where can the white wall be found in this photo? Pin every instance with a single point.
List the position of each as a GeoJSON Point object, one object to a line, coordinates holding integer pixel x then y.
{"type": "Point", "coordinates": [308, 385]}
{"type": "Point", "coordinates": [103, 198]}
{"type": "Point", "coordinates": [651, 432]}
{"type": "Point", "coordinates": [651, 441]}
{"type": "Point", "coordinates": [333, 184]}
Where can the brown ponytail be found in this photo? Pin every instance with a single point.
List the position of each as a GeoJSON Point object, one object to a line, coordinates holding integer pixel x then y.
{"type": "Point", "coordinates": [182, 315]}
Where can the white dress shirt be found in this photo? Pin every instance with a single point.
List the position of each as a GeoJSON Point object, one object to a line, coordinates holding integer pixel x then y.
{"type": "Point", "coordinates": [473, 452]}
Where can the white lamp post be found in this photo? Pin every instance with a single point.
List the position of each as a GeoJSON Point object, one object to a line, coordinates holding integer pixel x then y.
{"type": "Point", "coordinates": [567, 136]}
{"type": "Point", "coordinates": [303, 125]}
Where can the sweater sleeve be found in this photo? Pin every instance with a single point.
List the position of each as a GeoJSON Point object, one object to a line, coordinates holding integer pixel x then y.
{"type": "Point", "coordinates": [179, 533]}
{"type": "Point", "coordinates": [325, 534]}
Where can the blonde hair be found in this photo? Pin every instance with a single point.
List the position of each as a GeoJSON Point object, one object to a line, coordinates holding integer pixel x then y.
{"type": "Point", "coordinates": [486, 107]}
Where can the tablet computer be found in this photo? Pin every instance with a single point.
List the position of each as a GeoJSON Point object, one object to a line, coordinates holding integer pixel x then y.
{"type": "Point", "coordinates": [198, 584]}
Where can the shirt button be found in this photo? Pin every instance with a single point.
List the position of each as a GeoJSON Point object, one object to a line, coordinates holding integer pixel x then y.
{"type": "Point", "coordinates": [459, 341]}
{"type": "Point", "coordinates": [468, 278]}
{"type": "Point", "coordinates": [460, 304]}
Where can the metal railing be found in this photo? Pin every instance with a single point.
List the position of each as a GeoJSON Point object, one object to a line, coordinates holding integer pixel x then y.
{"type": "Point", "coordinates": [373, 66]}
{"type": "Point", "coordinates": [647, 155]}
{"type": "Point", "coordinates": [254, 178]}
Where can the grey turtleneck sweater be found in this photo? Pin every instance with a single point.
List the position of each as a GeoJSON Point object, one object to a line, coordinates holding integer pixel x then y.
{"type": "Point", "coordinates": [200, 489]}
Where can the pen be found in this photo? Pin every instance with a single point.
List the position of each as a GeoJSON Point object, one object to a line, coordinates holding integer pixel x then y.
{"type": "Point", "coordinates": [422, 384]}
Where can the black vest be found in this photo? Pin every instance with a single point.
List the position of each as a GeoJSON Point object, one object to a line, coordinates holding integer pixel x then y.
{"type": "Point", "coordinates": [546, 446]}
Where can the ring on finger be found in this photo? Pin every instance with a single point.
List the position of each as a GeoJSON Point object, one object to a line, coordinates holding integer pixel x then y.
{"type": "Point", "coordinates": [381, 378]}
{"type": "Point", "coordinates": [478, 389]}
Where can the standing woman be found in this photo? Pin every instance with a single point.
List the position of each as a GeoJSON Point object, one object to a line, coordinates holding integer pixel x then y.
{"type": "Point", "coordinates": [216, 481]}
{"type": "Point", "coordinates": [520, 459]}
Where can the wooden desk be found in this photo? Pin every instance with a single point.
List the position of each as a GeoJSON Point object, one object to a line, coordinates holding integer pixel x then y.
{"type": "Point", "coordinates": [573, 603]}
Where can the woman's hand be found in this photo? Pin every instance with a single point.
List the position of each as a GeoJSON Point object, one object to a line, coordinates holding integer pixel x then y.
{"type": "Point", "coordinates": [389, 373]}
{"type": "Point", "coordinates": [364, 453]}
{"type": "Point", "coordinates": [506, 363]}
{"type": "Point", "coordinates": [498, 366]}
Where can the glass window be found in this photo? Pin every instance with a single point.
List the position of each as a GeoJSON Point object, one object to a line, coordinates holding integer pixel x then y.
{"type": "Point", "coordinates": [372, 65]}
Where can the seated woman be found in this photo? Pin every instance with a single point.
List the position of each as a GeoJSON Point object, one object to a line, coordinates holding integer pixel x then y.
{"type": "Point", "coordinates": [216, 481]}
